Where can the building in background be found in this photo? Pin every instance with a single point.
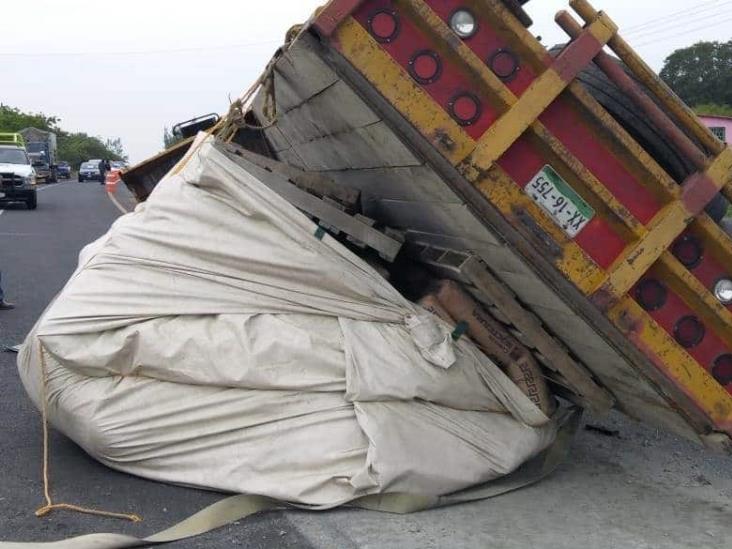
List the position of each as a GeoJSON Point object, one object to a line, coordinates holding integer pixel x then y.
{"type": "Point", "coordinates": [720, 125]}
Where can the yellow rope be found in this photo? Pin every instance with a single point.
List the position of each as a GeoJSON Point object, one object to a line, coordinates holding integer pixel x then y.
{"type": "Point", "coordinates": [236, 118]}
{"type": "Point", "coordinates": [50, 506]}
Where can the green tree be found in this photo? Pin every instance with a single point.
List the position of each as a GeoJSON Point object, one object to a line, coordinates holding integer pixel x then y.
{"type": "Point", "coordinates": [13, 120]}
{"type": "Point", "coordinates": [75, 148]}
{"type": "Point", "coordinates": [702, 73]}
{"type": "Point", "coordinates": [115, 147]}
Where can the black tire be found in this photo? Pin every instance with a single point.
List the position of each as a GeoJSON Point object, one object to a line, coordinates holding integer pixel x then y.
{"type": "Point", "coordinates": [32, 202]}
{"type": "Point", "coordinates": [628, 115]}
{"type": "Point", "coordinates": [81, 179]}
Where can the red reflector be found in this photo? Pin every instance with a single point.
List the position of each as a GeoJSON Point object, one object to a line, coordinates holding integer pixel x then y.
{"type": "Point", "coordinates": [425, 66]}
{"type": "Point", "coordinates": [465, 109]}
{"type": "Point", "coordinates": [722, 369]}
{"type": "Point", "coordinates": [384, 25]}
{"type": "Point", "coordinates": [689, 332]}
{"type": "Point", "coordinates": [651, 294]}
{"type": "Point", "coordinates": [688, 250]}
{"type": "Point", "coordinates": [504, 64]}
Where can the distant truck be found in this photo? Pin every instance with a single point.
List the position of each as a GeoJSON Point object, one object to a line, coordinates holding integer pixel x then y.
{"type": "Point", "coordinates": [42, 146]}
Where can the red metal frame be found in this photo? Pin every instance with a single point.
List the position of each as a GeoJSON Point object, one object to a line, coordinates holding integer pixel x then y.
{"type": "Point", "coordinates": [333, 14]}
{"type": "Point", "coordinates": [710, 348]}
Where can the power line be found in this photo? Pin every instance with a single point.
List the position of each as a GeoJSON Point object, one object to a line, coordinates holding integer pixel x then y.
{"type": "Point", "coordinates": [138, 52]}
{"type": "Point", "coordinates": [691, 21]}
{"type": "Point", "coordinates": [696, 9]}
{"type": "Point", "coordinates": [689, 31]}
{"type": "Point", "coordinates": [681, 22]}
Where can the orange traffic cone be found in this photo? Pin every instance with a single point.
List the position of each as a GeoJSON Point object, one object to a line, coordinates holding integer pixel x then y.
{"type": "Point", "coordinates": [111, 181]}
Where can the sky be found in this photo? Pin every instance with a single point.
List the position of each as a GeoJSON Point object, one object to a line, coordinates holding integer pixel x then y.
{"type": "Point", "coordinates": [128, 69]}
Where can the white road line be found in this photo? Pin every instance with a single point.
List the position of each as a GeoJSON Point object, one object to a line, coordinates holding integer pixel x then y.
{"type": "Point", "coordinates": [51, 186]}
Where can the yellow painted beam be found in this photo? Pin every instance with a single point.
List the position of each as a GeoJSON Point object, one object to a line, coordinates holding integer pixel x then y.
{"type": "Point", "coordinates": [674, 362]}
{"type": "Point", "coordinates": [395, 84]}
{"type": "Point", "coordinates": [715, 316]}
{"type": "Point", "coordinates": [527, 109]}
{"type": "Point", "coordinates": [637, 258]}
{"type": "Point", "coordinates": [400, 90]}
{"type": "Point", "coordinates": [663, 230]}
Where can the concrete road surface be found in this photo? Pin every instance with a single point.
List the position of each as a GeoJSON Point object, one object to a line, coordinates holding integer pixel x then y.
{"type": "Point", "coordinates": [628, 487]}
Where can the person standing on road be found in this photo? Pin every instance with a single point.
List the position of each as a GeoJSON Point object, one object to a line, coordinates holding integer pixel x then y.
{"type": "Point", "coordinates": [4, 305]}
{"type": "Point", "coordinates": [102, 171]}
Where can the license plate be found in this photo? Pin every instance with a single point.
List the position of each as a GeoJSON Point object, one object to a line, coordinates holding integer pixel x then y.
{"type": "Point", "coordinates": [560, 201]}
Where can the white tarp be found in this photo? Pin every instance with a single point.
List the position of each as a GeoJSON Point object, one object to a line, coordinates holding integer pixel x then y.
{"type": "Point", "coordinates": [211, 339]}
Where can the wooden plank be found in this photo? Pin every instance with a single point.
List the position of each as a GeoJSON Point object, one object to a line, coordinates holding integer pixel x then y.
{"type": "Point", "coordinates": [312, 182]}
{"type": "Point", "coordinates": [387, 247]}
{"type": "Point", "coordinates": [576, 375]}
{"type": "Point", "coordinates": [469, 268]}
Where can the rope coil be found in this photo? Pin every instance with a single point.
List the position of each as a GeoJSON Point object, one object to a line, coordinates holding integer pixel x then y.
{"type": "Point", "coordinates": [50, 506]}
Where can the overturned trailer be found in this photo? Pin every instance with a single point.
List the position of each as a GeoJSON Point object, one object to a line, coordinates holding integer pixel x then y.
{"type": "Point", "coordinates": [571, 192]}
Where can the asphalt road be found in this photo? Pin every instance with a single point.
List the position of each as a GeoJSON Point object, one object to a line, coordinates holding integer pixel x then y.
{"type": "Point", "coordinates": [632, 487]}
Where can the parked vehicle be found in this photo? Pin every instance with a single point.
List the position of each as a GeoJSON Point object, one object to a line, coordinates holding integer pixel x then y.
{"type": "Point", "coordinates": [63, 170]}
{"type": "Point", "coordinates": [570, 196]}
{"type": "Point", "coordinates": [41, 146]}
{"type": "Point", "coordinates": [89, 171]}
{"type": "Point", "coordinates": [17, 176]}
